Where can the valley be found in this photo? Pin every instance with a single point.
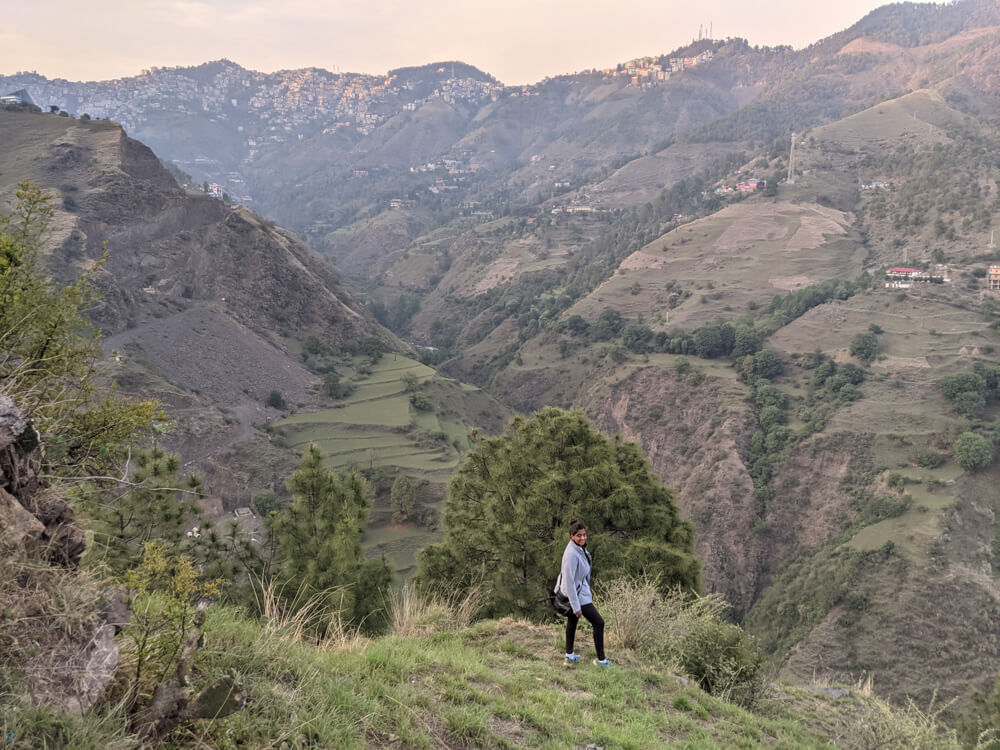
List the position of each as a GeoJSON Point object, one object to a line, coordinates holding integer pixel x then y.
{"type": "Point", "coordinates": [463, 252]}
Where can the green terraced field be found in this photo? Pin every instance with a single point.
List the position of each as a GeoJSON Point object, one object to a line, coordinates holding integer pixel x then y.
{"type": "Point", "coordinates": [376, 427]}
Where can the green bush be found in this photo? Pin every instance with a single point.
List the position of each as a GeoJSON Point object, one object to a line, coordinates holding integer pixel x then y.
{"type": "Point", "coordinates": [687, 631]}
{"type": "Point", "coordinates": [972, 451]}
{"type": "Point", "coordinates": [931, 459]}
{"type": "Point", "coordinates": [275, 400]}
{"type": "Point", "coordinates": [420, 402]}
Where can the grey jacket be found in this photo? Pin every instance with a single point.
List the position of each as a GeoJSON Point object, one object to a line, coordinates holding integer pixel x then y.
{"type": "Point", "coordinates": [574, 579]}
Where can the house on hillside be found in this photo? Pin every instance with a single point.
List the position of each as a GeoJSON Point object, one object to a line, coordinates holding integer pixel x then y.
{"type": "Point", "coordinates": [21, 96]}
{"type": "Point", "coordinates": [903, 278]}
{"type": "Point", "coordinates": [993, 278]}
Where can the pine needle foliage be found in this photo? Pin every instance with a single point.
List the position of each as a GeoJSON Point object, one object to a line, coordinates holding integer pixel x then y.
{"type": "Point", "coordinates": [510, 503]}
{"type": "Point", "coordinates": [319, 542]}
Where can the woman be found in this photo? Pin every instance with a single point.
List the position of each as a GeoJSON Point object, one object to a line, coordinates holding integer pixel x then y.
{"type": "Point", "coordinates": [574, 583]}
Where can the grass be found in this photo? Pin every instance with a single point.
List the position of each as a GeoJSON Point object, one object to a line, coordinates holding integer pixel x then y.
{"type": "Point", "coordinates": [913, 532]}
{"type": "Point", "coordinates": [442, 683]}
{"type": "Point", "coordinates": [496, 684]}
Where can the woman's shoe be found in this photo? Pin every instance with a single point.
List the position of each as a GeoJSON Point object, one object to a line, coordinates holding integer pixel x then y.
{"type": "Point", "coordinates": [602, 663]}
{"type": "Point", "coordinates": [572, 658]}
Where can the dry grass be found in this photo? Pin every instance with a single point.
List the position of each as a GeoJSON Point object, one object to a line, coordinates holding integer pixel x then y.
{"type": "Point", "coordinates": [48, 618]}
{"type": "Point", "coordinates": [416, 614]}
{"type": "Point", "coordinates": [311, 620]}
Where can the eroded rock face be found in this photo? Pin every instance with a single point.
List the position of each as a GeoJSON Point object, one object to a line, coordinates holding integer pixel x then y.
{"type": "Point", "coordinates": [12, 423]}
{"type": "Point", "coordinates": [695, 442]}
{"type": "Point", "coordinates": [81, 679]}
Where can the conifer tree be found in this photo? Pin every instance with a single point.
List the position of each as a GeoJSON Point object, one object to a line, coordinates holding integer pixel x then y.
{"type": "Point", "coordinates": [510, 503]}
{"type": "Point", "coordinates": [156, 505]}
{"type": "Point", "coordinates": [318, 538]}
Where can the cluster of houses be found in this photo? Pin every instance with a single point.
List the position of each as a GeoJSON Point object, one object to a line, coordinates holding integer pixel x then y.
{"type": "Point", "coordinates": [751, 185]}
{"type": "Point", "coordinates": [651, 71]}
{"type": "Point", "coordinates": [448, 166]}
{"type": "Point", "coordinates": [904, 278]}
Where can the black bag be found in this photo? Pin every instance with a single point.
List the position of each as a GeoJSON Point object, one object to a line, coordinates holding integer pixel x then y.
{"type": "Point", "coordinates": [560, 602]}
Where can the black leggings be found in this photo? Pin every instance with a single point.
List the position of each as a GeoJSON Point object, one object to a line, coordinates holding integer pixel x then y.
{"type": "Point", "coordinates": [594, 617]}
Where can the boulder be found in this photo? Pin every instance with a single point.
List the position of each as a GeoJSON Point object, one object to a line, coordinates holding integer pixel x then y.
{"type": "Point", "coordinates": [12, 422]}
{"type": "Point", "coordinates": [18, 527]}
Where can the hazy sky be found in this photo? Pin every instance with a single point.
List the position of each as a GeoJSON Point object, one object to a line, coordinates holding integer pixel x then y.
{"type": "Point", "coordinates": [518, 41]}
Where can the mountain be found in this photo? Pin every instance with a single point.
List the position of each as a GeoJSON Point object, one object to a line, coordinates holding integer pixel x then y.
{"type": "Point", "coordinates": [597, 240]}
{"type": "Point", "coordinates": [200, 298]}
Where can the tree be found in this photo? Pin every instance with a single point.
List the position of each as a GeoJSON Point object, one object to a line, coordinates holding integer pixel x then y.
{"type": "Point", "coordinates": [158, 505]}
{"type": "Point", "coordinates": [510, 503]}
{"type": "Point", "coordinates": [420, 402]}
{"type": "Point", "coordinates": [745, 341]}
{"type": "Point", "coordinates": [636, 337]}
{"type": "Point", "coordinates": [608, 325]}
{"type": "Point", "coordinates": [973, 451]}
{"type": "Point", "coordinates": [577, 325]}
{"type": "Point", "coordinates": [318, 536]}
{"type": "Point", "coordinates": [410, 382]}
{"type": "Point", "coordinates": [864, 346]}
{"type": "Point", "coordinates": [49, 350]}
{"type": "Point", "coordinates": [275, 400]}
{"type": "Point", "coordinates": [402, 498]}
{"type": "Point", "coordinates": [335, 388]}
{"type": "Point", "coordinates": [969, 404]}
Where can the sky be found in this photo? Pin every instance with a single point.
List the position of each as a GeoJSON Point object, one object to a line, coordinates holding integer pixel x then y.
{"type": "Point", "coordinates": [518, 41]}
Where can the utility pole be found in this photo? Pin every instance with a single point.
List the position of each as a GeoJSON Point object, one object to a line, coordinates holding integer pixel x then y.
{"type": "Point", "coordinates": [992, 243]}
{"type": "Point", "coordinates": [791, 163]}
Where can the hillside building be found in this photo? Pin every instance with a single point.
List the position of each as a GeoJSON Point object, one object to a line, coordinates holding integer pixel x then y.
{"type": "Point", "coordinates": [21, 96]}
{"type": "Point", "coordinates": [993, 278]}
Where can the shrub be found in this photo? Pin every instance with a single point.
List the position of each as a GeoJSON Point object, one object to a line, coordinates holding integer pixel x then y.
{"type": "Point", "coordinates": [881, 724]}
{"type": "Point", "coordinates": [864, 346]}
{"type": "Point", "coordinates": [275, 399]}
{"type": "Point", "coordinates": [930, 459]}
{"type": "Point", "coordinates": [420, 402]}
{"type": "Point", "coordinates": [688, 631]}
{"type": "Point", "coordinates": [973, 451]}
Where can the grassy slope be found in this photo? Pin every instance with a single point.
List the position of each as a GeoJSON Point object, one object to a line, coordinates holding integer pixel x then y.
{"type": "Point", "coordinates": [494, 685]}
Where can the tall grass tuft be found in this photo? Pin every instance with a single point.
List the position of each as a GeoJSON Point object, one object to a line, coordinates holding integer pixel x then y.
{"type": "Point", "coordinates": [302, 619]}
{"type": "Point", "coordinates": [416, 613]}
{"type": "Point", "coordinates": [685, 631]}
{"type": "Point", "coordinates": [881, 724]}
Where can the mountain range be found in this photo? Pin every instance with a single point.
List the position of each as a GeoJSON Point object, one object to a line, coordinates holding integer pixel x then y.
{"type": "Point", "coordinates": [585, 242]}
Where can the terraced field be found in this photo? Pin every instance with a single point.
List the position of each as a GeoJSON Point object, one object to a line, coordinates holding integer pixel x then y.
{"type": "Point", "coordinates": [377, 427]}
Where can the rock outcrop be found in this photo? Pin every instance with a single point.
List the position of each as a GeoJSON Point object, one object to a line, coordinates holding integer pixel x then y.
{"type": "Point", "coordinates": [68, 642]}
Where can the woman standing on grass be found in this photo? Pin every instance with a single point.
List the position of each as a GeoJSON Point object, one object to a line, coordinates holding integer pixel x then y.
{"type": "Point", "coordinates": [574, 583]}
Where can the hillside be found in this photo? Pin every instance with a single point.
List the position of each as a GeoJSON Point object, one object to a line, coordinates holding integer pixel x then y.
{"type": "Point", "coordinates": [586, 242]}
{"type": "Point", "coordinates": [206, 307]}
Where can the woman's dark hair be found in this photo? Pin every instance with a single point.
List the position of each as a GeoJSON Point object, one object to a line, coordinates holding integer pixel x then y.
{"type": "Point", "coordinates": [575, 526]}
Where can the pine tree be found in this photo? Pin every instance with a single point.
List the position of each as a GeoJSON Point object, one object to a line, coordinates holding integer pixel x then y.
{"type": "Point", "coordinates": [157, 505]}
{"type": "Point", "coordinates": [318, 537]}
{"type": "Point", "coordinates": [510, 503]}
